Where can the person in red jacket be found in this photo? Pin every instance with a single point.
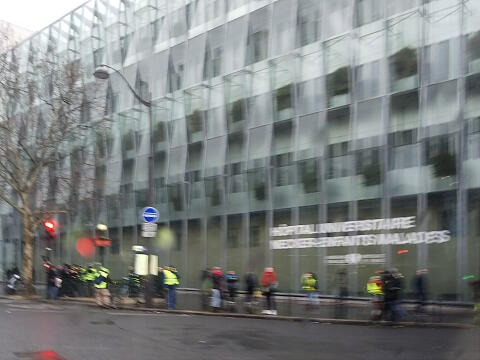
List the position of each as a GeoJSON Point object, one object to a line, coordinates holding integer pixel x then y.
{"type": "Point", "coordinates": [268, 281]}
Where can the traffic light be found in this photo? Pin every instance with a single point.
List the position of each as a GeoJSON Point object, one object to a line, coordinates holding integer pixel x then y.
{"type": "Point", "coordinates": [50, 227]}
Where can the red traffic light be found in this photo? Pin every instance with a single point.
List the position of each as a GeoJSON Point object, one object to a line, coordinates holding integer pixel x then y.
{"type": "Point", "coordinates": [49, 226]}
{"type": "Point", "coordinates": [403, 251]}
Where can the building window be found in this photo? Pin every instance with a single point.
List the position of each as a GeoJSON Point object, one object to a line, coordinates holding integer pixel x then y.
{"type": "Point", "coordinates": [440, 152]}
{"type": "Point", "coordinates": [404, 154]}
{"type": "Point", "coordinates": [473, 52]}
{"type": "Point", "coordinates": [284, 98]}
{"type": "Point", "coordinates": [257, 41]}
{"type": "Point", "coordinates": [307, 170]}
{"type": "Point", "coordinates": [337, 84]}
{"type": "Point", "coordinates": [195, 126]}
{"type": "Point", "coordinates": [339, 161]}
{"type": "Point", "coordinates": [124, 44]}
{"type": "Point", "coordinates": [368, 165]}
{"type": "Point", "coordinates": [403, 64]}
{"type": "Point", "coordinates": [308, 22]}
{"type": "Point", "coordinates": [234, 231]}
{"type": "Point", "coordinates": [283, 169]}
{"type": "Point", "coordinates": [98, 57]}
{"type": "Point", "coordinates": [368, 11]}
{"type": "Point", "coordinates": [257, 46]}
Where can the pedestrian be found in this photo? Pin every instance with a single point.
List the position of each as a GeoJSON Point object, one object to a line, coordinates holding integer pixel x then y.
{"type": "Point", "coordinates": [342, 284]}
{"type": "Point", "coordinates": [58, 285]}
{"type": "Point", "coordinates": [160, 283]}
{"type": "Point", "coordinates": [392, 285]}
{"type": "Point", "coordinates": [250, 286]}
{"type": "Point", "coordinates": [218, 287]}
{"type": "Point", "coordinates": [134, 283]}
{"type": "Point", "coordinates": [206, 283]}
{"type": "Point", "coordinates": [171, 281]}
{"type": "Point", "coordinates": [102, 294]}
{"type": "Point", "coordinates": [475, 285]}
{"type": "Point", "coordinates": [51, 276]}
{"type": "Point", "coordinates": [269, 284]}
{"type": "Point", "coordinates": [231, 280]}
{"type": "Point", "coordinates": [375, 288]}
{"type": "Point", "coordinates": [310, 286]}
{"type": "Point", "coordinates": [90, 277]}
{"type": "Point", "coordinates": [420, 289]}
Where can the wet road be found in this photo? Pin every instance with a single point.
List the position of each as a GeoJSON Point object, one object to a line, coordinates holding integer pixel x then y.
{"type": "Point", "coordinates": [74, 332]}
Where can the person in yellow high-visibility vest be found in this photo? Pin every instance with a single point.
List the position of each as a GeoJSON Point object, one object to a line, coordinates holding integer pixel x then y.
{"type": "Point", "coordinates": [170, 278]}
{"type": "Point", "coordinates": [375, 288]}
{"type": "Point", "coordinates": [102, 294]}
{"type": "Point", "coordinates": [90, 277]}
{"type": "Point", "coordinates": [310, 286]}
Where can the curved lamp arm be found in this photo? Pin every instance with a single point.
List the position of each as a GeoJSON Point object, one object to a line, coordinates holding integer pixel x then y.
{"type": "Point", "coordinates": [138, 97]}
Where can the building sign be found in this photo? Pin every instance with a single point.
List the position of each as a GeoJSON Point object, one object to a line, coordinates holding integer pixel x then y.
{"type": "Point", "coordinates": [393, 231]}
{"type": "Point", "coordinates": [149, 229]}
{"type": "Point", "coordinates": [355, 259]}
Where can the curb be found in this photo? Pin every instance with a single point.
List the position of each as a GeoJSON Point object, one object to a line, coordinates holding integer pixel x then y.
{"type": "Point", "coordinates": [302, 319]}
{"type": "Point", "coordinates": [91, 303]}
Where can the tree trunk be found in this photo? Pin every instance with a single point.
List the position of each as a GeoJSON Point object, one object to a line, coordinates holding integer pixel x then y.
{"type": "Point", "coordinates": [27, 266]}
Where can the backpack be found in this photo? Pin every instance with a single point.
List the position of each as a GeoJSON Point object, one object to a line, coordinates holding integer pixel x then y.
{"type": "Point", "coordinates": [98, 280]}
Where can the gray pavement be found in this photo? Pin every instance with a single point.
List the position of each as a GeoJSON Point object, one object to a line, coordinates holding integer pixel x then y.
{"type": "Point", "coordinates": [77, 332]}
{"type": "Point", "coordinates": [327, 308]}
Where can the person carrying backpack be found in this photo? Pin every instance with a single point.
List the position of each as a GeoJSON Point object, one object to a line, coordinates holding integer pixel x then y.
{"type": "Point", "coordinates": [102, 294]}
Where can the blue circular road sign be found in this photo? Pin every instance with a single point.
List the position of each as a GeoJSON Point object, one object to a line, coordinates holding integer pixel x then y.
{"type": "Point", "coordinates": [150, 214]}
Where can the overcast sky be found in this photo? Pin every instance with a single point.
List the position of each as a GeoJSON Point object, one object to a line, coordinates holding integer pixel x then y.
{"type": "Point", "coordinates": [35, 14]}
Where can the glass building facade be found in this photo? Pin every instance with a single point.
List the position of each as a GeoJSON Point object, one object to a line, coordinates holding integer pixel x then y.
{"type": "Point", "coordinates": [289, 112]}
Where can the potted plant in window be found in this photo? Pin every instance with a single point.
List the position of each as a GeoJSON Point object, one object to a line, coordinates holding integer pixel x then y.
{"type": "Point", "coordinates": [444, 164]}
{"type": "Point", "coordinates": [404, 62]}
{"type": "Point", "coordinates": [337, 82]}
{"type": "Point", "coordinates": [371, 174]}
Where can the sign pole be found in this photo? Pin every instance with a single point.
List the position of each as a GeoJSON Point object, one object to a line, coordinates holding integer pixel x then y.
{"type": "Point", "coordinates": [149, 230]}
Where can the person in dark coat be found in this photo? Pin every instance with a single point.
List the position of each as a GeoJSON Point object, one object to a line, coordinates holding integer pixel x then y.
{"type": "Point", "coordinates": [250, 286]}
{"type": "Point", "coordinates": [420, 288]}
{"type": "Point", "coordinates": [392, 285]}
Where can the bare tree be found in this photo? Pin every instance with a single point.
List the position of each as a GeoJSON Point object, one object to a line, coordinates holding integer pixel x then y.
{"type": "Point", "coordinates": [49, 116]}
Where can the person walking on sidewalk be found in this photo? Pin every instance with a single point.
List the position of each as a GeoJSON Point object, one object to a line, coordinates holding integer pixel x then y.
{"type": "Point", "coordinates": [250, 286]}
{"type": "Point", "coordinates": [420, 289]}
{"type": "Point", "coordinates": [231, 279]}
{"type": "Point", "coordinates": [375, 288]}
{"type": "Point", "coordinates": [102, 294]}
{"type": "Point", "coordinates": [206, 281]}
{"type": "Point", "coordinates": [90, 277]}
{"type": "Point", "coordinates": [310, 287]}
{"type": "Point", "coordinates": [268, 281]}
{"type": "Point", "coordinates": [51, 276]}
{"type": "Point", "coordinates": [392, 285]}
{"type": "Point", "coordinates": [218, 286]}
{"type": "Point", "coordinates": [171, 279]}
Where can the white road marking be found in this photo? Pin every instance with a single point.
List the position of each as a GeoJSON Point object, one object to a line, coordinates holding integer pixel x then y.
{"type": "Point", "coordinates": [134, 314]}
{"type": "Point", "coordinates": [38, 310]}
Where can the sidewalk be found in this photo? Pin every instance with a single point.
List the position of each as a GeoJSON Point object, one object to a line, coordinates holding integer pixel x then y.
{"type": "Point", "coordinates": [353, 312]}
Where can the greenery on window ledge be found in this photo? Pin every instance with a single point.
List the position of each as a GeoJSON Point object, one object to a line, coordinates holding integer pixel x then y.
{"type": "Point", "coordinates": [337, 82]}
{"type": "Point", "coordinates": [371, 175]}
{"type": "Point", "coordinates": [404, 62]}
{"type": "Point", "coordinates": [444, 164]}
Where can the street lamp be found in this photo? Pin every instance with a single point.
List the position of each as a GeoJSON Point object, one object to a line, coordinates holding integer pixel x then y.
{"type": "Point", "coordinates": [102, 72]}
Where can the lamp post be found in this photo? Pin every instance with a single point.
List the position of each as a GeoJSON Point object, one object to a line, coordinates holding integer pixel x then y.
{"type": "Point", "coordinates": [102, 72]}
